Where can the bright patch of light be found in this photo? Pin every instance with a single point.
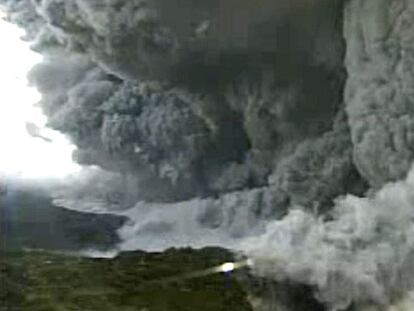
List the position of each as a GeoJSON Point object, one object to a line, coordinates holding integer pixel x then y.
{"type": "Point", "coordinates": [249, 262]}
{"type": "Point", "coordinates": [227, 267]}
{"type": "Point", "coordinates": [405, 304]}
{"type": "Point", "coordinates": [22, 155]}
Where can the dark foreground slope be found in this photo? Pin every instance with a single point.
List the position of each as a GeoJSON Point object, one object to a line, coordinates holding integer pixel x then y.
{"type": "Point", "coordinates": [29, 219]}
{"type": "Point", "coordinates": [45, 281]}
{"type": "Point", "coordinates": [39, 270]}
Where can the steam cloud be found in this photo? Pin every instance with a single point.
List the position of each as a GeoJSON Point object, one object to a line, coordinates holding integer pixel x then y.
{"type": "Point", "coordinates": [364, 254]}
{"type": "Point", "coordinates": [239, 123]}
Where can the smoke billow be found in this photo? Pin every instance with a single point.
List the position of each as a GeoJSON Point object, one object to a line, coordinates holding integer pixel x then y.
{"type": "Point", "coordinates": [181, 114]}
{"type": "Point", "coordinates": [223, 221]}
{"type": "Point", "coordinates": [363, 252]}
{"type": "Point", "coordinates": [379, 89]}
{"type": "Point", "coordinates": [254, 125]}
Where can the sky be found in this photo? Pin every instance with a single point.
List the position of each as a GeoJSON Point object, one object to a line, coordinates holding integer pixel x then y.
{"type": "Point", "coordinates": [21, 155]}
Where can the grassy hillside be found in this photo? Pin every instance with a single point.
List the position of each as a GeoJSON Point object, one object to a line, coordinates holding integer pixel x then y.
{"type": "Point", "coordinates": [46, 281]}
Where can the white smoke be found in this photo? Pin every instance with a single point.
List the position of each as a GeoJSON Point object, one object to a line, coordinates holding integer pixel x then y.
{"type": "Point", "coordinates": [361, 254]}
{"type": "Point", "coordinates": [406, 304]}
{"type": "Point", "coordinates": [90, 190]}
{"type": "Point", "coordinates": [364, 254]}
{"type": "Point", "coordinates": [196, 223]}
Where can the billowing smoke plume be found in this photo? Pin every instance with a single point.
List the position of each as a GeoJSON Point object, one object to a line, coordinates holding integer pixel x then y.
{"type": "Point", "coordinates": [183, 103]}
{"type": "Point", "coordinates": [209, 122]}
{"type": "Point", "coordinates": [379, 90]}
{"type": "Point", "coordinates": [362, 252]}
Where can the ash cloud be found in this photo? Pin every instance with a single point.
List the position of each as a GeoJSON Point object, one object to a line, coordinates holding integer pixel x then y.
{"type": "Point", "coordinates": [140, 94]}
{"type": "Point", "coordinates": [379, 91]}
{"type": "Point", "coordinates": [209, 120]}
{"type": "Point", "coordinates": [173, 112]}
{"type": "Point", "coordinates": [363, 255]}
{"type": "Point", "coordinates": [158, 39]}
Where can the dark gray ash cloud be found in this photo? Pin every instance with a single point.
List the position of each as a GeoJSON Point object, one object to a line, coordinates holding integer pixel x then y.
{"type": "Point", "coordinates": [217, 117]}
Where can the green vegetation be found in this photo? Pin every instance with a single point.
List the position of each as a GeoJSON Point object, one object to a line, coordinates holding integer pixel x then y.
{"type": "Point", "coordinates": [46, 281]}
